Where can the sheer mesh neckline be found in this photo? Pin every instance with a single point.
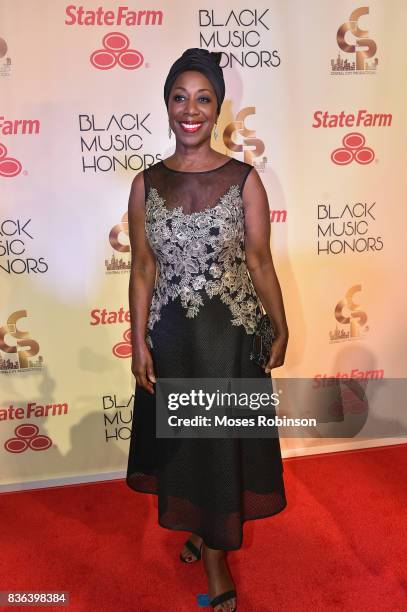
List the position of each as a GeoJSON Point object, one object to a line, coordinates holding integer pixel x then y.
{"type": "Point", "coordinates": [230, 193]}
{"type": "Point", "coordinates": [196, 191]}
{"type": "Point", "coordinates": [196, 171]}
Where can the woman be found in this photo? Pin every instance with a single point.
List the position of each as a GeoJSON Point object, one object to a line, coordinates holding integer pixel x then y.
{"type": "Point", "coordinates": [198, 223]}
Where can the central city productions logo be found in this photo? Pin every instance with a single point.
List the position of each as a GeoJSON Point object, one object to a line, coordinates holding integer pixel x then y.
{"type": "Point", "coordinates": [118, 265]}
{"type": "Point", "coordinates": [5, 61]}
{"type": "Point", "coordinates": [353, 150]}
{"type": "Point", "coordinates": [363, 48]}
{"type": "Point", "coordinates": [24, 347]}
{"type": "Point", "coordinates": [355, 319]}
{"type": "Point", "coordinates": [251, 146]}
{"type": "Point", "coordinates": [116, 52]}
{"type": "Point", "coordinates": [9, 166]}
{"type": "Point", "coordinates": [27, 436]}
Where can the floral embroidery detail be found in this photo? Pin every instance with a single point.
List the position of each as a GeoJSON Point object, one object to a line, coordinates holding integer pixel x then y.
{"type": "Point", "coordinates": [197, 252]}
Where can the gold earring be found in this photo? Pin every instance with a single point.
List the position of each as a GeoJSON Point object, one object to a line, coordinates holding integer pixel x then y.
{"type": "Point", "coordinates": [169, 130]}
{"type": "Point", "coordinates": [215, 132]}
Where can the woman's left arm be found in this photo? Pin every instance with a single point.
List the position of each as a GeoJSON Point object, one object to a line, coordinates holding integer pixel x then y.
{"type": "Point", "coordinates": [260, 263]}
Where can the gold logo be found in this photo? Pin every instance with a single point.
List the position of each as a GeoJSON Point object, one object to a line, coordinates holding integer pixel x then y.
{"type": "Point", "coordinates": [114, 236]}
{"type": "Point", "coordinates": [116, 264]}
{"type": "Point", "coordinates": [25, 347]}
{"type": "Point", "coordinates": [251, 146]}
{"type": "Point", "coordinates": [364, 48]}
{"type": "Point", "coordinates": [356, 318]}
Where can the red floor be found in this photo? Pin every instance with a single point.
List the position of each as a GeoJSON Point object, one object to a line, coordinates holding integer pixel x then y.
{"type": "Point", "coordinates": [341, 543]}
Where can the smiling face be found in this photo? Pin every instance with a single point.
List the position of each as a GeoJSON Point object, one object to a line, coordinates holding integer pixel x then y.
{"type": "Point", "coordinates": [192, 107]}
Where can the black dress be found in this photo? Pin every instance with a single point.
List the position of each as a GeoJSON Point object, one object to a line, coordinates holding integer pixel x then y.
{"type": "Point", "coordinates": [203, 313]}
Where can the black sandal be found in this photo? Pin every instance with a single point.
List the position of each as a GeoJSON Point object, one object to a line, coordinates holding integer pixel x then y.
{"type": "Point", "coordinates": [197, 552]}
{"type": "Point", "coordinates": [223, 597]}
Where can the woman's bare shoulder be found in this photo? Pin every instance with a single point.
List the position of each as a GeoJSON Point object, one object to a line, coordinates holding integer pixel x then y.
{"type": "Point", "coordinates": [137, 191]}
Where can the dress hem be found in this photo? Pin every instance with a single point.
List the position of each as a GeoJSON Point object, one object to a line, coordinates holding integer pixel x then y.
{"type": "Point", "coordinates": [190, 529]}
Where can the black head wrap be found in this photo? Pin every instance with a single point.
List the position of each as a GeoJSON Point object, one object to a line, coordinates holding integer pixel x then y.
{"type": "Point", "coordinates": [204, 61]}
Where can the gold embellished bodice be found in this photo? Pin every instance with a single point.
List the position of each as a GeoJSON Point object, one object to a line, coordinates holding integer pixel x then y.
{"type": "Point", "coordinates": [194, 222]}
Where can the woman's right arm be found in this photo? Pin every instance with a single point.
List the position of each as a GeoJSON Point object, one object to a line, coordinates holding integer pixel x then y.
{"type": "Point", "coordinates": [141, 285]}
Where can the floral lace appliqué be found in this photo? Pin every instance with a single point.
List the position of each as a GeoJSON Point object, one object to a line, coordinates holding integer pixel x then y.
{"type": "Point", "coordinates": [198, 252]}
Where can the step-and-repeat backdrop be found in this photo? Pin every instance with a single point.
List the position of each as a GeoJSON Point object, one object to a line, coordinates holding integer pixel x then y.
{"type": "Point", "coordinates": [316, 101]}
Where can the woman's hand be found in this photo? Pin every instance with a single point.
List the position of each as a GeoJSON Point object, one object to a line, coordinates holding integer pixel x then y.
{"type": "Point", "coordinates": [142, 366]}
{"type": "Point", "coordinates": [277, 353]}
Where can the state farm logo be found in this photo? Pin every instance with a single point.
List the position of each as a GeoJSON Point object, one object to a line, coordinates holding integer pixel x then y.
{"type": "Point", "coordinates": [27, 436]}
{"type": "Point", "coordinates": [9, 166]}
{"type": "Point", "coordinates": [112, 16]}
{"type": "Point", "coordinates": [123, 349]}
{"type": "Point", "coordinates": [353, 150]}
{"type": "Point", "coordinates": [105, 317]}
{"type": "Point", "coordinates": [116, 52]}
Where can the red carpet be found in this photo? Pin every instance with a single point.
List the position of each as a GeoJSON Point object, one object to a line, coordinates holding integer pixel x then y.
{"type": "Point", "coordinates": [340, 544]}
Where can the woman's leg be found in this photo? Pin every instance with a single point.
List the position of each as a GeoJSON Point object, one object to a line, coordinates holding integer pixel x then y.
{"type": "Point", "coordinates": [219, 577]}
